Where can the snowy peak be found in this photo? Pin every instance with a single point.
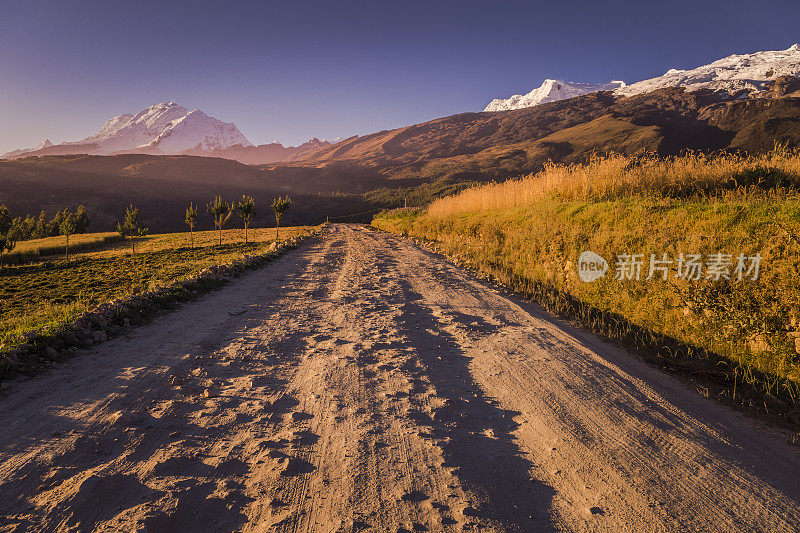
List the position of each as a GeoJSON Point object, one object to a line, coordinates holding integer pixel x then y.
{"type": "Point", "coordinates": [197, 130]}
{"type": "Point", "coordinates": [165, 128]}
{"type": "Point", "coordinates": [745, 72]}
{"type": "Point", "coordinates": [550, 91]}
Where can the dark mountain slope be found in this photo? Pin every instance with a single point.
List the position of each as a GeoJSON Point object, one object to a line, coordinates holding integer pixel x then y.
{"type": "Point", "coordinates": [499, 144]}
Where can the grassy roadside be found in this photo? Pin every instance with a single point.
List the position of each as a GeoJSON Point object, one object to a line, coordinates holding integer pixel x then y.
{"type": "Point", "coordinates": [40, 299]}
{"type": "Point", "coordinates": [736, 338]}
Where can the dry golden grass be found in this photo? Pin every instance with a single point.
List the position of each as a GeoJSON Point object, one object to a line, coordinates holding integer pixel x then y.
{"type": "Point", "coordinates": [36, 249]}
{"type": "Point", "coordinates": [111, 243]}
{"type": "Point", "coordinates": [615, 176]}
{"type": "Point", "coordinates": [530, 232]}
{"type": "Point", "coordinates": [163, 241]}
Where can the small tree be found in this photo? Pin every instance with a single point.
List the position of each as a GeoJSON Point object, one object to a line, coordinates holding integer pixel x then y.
{"type": "Point", "coordinates": [279, 207]}
{"type": "Point", "coordinates": [132, 226]}
{"type": "Point", "coordinates": [81, 220]}
{"type": "Point", "coordinates": [55, 224]}
{"type": "Point", "coordinates": [247, 212]}
{"type": "Point", "coordinates": [7, 235]}
{"type": "Point", "coordinates": [220, 211]}
{"type": "Point", "coordinates": [67, 228]}
{"type": "Point", "coordinates": [191, 220]}
{"type": "Point", "coordinates": [5, 220]}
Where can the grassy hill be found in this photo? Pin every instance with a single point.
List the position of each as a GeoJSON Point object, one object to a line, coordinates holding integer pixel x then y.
{"type": "Point", "coordinates": [740, 334]}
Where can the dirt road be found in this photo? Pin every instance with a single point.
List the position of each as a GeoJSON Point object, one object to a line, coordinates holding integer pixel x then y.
{"type": "Point", "coordinates": [361, 383]}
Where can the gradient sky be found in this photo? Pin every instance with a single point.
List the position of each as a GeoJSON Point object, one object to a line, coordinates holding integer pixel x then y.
{"type": "Point", "coordinates": [295, 69]}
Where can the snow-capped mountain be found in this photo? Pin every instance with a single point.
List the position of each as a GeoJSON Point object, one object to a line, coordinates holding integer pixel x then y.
{"type": "Point", "coordinates": [735, 73]}
{"type": "Point", "coordinates": [166, 128]}
{"type": "Point", "coordinates": [749, 72]}
{"type": "Point", "coordinates": [550, 91]}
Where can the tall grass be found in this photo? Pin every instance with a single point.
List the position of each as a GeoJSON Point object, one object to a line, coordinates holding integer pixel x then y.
{"type": "Point", "coordinates": [529, 233]}
{"type": "Point", "coordinates": [614, 176]}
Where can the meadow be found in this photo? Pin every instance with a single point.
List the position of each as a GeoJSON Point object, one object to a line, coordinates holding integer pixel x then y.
{"type": "Point", "coordinates": [529, 232]}
{"type": "Point", "coordinates": [42, 296]}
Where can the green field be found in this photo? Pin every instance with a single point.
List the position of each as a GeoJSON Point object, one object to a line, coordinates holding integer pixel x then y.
{"type": "Point", "coordinates": [529, 234]}
{"type": "Point", "coordinates": [39, 297]}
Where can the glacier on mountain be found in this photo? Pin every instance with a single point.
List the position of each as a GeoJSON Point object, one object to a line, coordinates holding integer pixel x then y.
{"type": "Point", "coordinates": [166, 128]}
{"type": "Point", "coordinates": [744, 72]}
{"type": "Point", "coordinates": [550, 91]}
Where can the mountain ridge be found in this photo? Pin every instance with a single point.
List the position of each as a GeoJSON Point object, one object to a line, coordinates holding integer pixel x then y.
{"type": "Point", "coordinates": [165, 128]}
{"type": "Point", "coordinates": [736, 73]}
{"type": "Point", "coordinates": [551, 90]}
{"type": "Point", "coordinates": [745, 73]}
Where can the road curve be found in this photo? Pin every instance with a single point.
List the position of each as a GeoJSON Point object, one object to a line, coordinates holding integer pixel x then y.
{"type": "Point", "coordinates": [359, 383]}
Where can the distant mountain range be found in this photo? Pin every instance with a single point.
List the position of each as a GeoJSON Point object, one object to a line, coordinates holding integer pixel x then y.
{"type": "Point", "coordinates": [739, 103]}
{"type": "Point", "coordinates": [746, 73]}
{"type": "Point", "coordinates": [170, 129]}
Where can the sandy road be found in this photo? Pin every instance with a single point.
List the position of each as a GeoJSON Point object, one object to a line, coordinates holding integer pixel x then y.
{"type": "Point", "coordinates": [359, 383]}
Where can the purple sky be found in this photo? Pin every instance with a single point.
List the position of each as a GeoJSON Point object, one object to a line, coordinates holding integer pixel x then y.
{"type": "Point", "coordinates": [296, 69]}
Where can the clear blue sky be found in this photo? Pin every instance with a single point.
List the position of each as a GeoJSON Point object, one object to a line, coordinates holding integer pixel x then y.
{"type": "Point", "coordinates": [295, 69]}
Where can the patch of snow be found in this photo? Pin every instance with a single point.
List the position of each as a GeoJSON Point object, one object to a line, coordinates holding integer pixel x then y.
{"type": "Point", "coordinates": [550, 91]}
{"type": "Point", "coordinates": [197, 130]}
{"type": "Point", "coordinates": [748, 72]}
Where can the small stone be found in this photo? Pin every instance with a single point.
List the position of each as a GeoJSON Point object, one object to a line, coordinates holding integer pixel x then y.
{"type": "Point", "coordinates": [52, 352]}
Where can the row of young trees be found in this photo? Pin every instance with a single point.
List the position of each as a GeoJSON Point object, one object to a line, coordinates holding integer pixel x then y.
{"type": "Point", "coordinates": [38, 228]}
{"type": "Point", "coordinates": [13, 230]}
{"type": "Point", "coordinates": [132, 227]}
{"type": "Point", "coordinates": [221, 212]}
{"type": "Point", "coordinates": [66, 223]}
